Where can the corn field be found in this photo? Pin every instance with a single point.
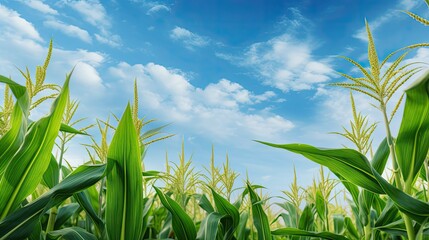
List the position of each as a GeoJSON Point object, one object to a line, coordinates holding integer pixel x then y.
{"type": "Point", "coordinates": [112, 196]}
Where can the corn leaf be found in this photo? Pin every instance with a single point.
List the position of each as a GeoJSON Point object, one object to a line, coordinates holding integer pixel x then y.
{"type": "Point", "coordinates": [83, 199]}
{"type": "Point", "coordinates": [124, 197]}
{"type": "Point", "coordinates": [183, 225]}
{"type": "Point", "coordinates": [209, 226]}
{"type": "Point", "coordinates": [242, 232]}
{"type": "Point", "coordinates": [299, 232]}
{"type": "Point", "coordinates": [51, 175]}
{"type": "Point", "coordinates": [414, 208]}
{"type": "Point", "coordinates": [306, 220]}
{"type": "Point", "coordinates": [20, 224]}
{"type": "Point", "coordinates": [231, 216]}
{"type": "Point", "coordinates": [71, 233]}
{"type": "Point", "coordinates": [413, 138]}
{"type": "Point", "coordinates": [12, 140]}
{"type": "Point", "coordinates": [26, 167]}
{"type": "Point", "coordinates": [349, 163]}
{"type": "Point", "coordinates": [259, 217]}
{"type": "Point", "coordinates": [65, 213]}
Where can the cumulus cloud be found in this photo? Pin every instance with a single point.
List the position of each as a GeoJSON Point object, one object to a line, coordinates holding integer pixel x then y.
{"type": "Point", "coordinates": [189, 39]}
{"type": "Point", "coordinates": [217, 110]}
{"type": "Point", "coordinates": [69, 30]}
{"type": "Point", "coordinates": [40, 6]}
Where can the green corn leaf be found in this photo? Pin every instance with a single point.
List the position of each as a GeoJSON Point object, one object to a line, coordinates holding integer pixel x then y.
{"type": "Point", "coordinates": [124, 197]}
{"type": "Point", "coordinates": [306, 220]}
{"type": "Point", "coordinates": [26, 167]}
{"type": "Point", "coordinates": [51, 175]}
{"type": "Point", "coordinates": [209, 226]}
{"type": "Point", "coordinates": [291, 216]}
{"type": "Point", "coordinates": [351, 228]}
{"type": "Point", "coordinates": [259, 217]}
{"type": "Point", "coordinates": [20, 224]}
{"type": "Point", "coordinates": [83, 199]}
{"type": "Point", "coordinates": [320, 205]}
{"type": "Point", "coordinates": [20, 93]}
{"type": "Point", "coordinates": [241, 231]}
{"type": "Point", "coordinates": [65, 213]}
{"type": "Point", "coordinates": [183, 225]}
{"type": "Point", "coordinates": [205, 204]}
{"type": "Point", "coordinates": [349, 163]}
{"type": "Point", "coordinates": [339, 226]}
{"type": "Point", "coordinates": [71, 233]}
{"type": "Point", "coordinates": [414, 208]}
{"type": "Point", "coordinates": [381, 156]}
{"type": "Point", "coordinates": [68, 129]}
{"type": "Point", "coordinates": [388, 215]}
{"type": "Point", "coordinates": [12, 140]}
{"type": "Point", "coordinates": [413, 138]}
{"type": "Point", "coordinates": [225, 208]}
{"type": "Point", "coordinates": [299, 232]}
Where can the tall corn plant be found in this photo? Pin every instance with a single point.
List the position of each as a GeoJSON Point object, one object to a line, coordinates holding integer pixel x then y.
{"type": "Point", "coordinates": [409, 150]}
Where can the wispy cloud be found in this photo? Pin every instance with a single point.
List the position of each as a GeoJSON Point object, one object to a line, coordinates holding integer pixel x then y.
{"type": "Point", "coordinates": [11, 22]}
{"type": "Point", "coordinates": [385, 18]}
{"type": "Point", "coordinates": [217, 111]}
{"type": "Point", "coordinates": [286, 61]}
{"type": "Point", "coordinates": [94, 13]}
{"type": "Point", "coordinates": [69, 30]}
{"type": "Point", "coordinates": [157, 8]}
{"type": "Point", "coordinates": [112, 40]}
{"type": "Point", "coordinates": [189, 39]}
{"type": "Point", "coordinates": [40, 6]}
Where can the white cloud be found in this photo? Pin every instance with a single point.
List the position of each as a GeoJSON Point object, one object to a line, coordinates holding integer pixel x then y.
{"type": "Point", "coordinates": [11, 22]}
{"type": "Point", "coordinates": [385, 18]}
{"type": "Point", "coordinates": [157, 8]}
{"type": "Point", "coordinates": [217, 110]}
{"type": "Point", "coordinates": [112, 40]}
{"type": "Point", "coordinates": [95, 14]}
{"type": "Point", "coordinates": [70, 30]}
{"type": "Point", "coordinates": [40, 6]}
{"type": "Point", "coordinates": [287, 63]}
{"type": "Point", "coordinates": [189, 39]}
{"type": "Point", "coordinates": [92, 11]}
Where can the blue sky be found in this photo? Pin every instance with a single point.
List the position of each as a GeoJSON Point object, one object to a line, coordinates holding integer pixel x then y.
{"type": "Point", "coordinates": [221, 72]}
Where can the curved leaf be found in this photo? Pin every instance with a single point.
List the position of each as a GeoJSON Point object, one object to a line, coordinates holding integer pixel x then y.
{"type": "Point", "coordinates": [225, 208]}
{"type": "Point", "coordinates": [26, 167]}
{"type": "Point", "coordinates": [413, 138]}
{"type": "Point", "coordinates": [209, 226]}
{"type": "Point", "coordinates": [12, 140]}
{"type": "Point", "coordinates": [259, 217]}
{"type": "Point", "coordinates": [183, 225]}
{"type": "Point", "coordinates": [349, 163]}
{"type": "Point", "coordinates": [71, 233]}
{"type": "Point", "coordinates": [20, 224]}
{"type": "Point", "coordinates": [299, 232]}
